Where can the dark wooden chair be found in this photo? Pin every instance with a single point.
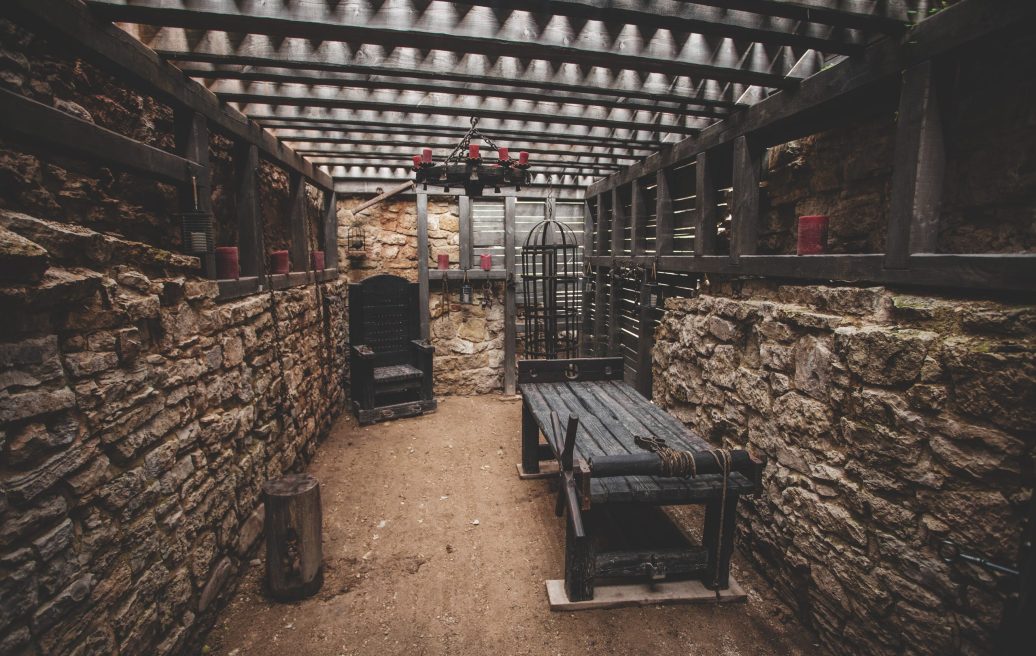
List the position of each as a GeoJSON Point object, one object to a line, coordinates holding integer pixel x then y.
{"type": "Point", "coordinates": [390, 366]}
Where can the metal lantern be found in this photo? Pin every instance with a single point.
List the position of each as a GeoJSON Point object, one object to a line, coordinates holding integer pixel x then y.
{"type": "Point", "coordinates": [196, 227]}
{"type": "Point", "coordinates": [356, 241]}
{"type": "Point", "coordinates": [550, 282]}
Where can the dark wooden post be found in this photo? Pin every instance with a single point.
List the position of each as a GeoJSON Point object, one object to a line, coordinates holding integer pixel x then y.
{"type": "Point", "coordinates": [249, 223]}
{"type": "Point", "coordinates": [330, 229]}
{"type": "Point", "coordinates": [299, 248]}
{"type": "Point", "coordinates": [919, 165]}
{"type": "Point", "coordinates": [704, 206]}
{"type": "Point", "coordinates": [663, 214]}
{"type": "Point", "coordinates": [510, 307]}
{"type": "Point", "coordinates": [645, 339]}
{"type": "Point", "coordinates": [294, 553]}
{"type": "Point", "coordinates": [585, 343]}
{"type": "Point", "coordinates": [530, 442]}
{"type": "Point", "coordinates": [601, 249]}
{"type": "Point", "coordinates": [618, 223]}
{"type": "Point", "coordinates": [638, 217]}
{"type": "Point", "coordinates": [464, 207]}
{"type": "Point", "coordinates": [718, 539]}
{"type": "Point", "coordinates": [748, 165]}
{"type": "Point", "coordinates": [422, 263]}
{"type": "Point", "coordinates": [191, 132]}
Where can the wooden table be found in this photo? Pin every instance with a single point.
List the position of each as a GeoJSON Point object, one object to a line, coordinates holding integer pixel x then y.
{"type": "Point", "coordinates": [590, 418]}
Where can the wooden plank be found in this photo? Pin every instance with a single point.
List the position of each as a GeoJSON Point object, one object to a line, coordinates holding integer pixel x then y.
{"type": "Point", "coordinates": [619, 221]}
{"type": "Point", "coordinates": [191, 133]}
{"type": "Point", "coordinates": [705, 215]}
{"type": "Point", "coordinates": [656, 593]}
{"type": "Point", "coordinates": [586, 326]}
{"type": "Point", "coordinates": [663, 213]}
{"type": "Point", "coordinates": [1008, 272]}
{"type": "Point", "coordinates": [246, 206]}
{"type": "Point", "coordinates": [918, 169]}
{"type": "Point", "coordinates": [330, 221]}
{"type": "Point", "coordinates": [645, 339]}
{"type": "Point", "coordinates": [464, 205]}
{"type": "Point", "coordinates": [245, 286]}
{"type": "Point", "coordinates": [54, 129]}
{"type": "Point", "coordinates": [70, 23]}
{"type": "Point", "coordinates": [554, 371]}
{"type": "Point", "coordinates": [745, 219]}
{"type": "Point", "coordinates": [614, 318]}
{"type": "Point", "coordinates": [638, 217]}
{"type": "Point", "coordinates": [422, 264]}
{"type": "Point", "coordinates": [510, 310]}
{"type": "Point", "coordinates": [297, 224]}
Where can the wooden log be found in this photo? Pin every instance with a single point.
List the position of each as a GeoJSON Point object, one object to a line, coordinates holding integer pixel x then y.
{"type": "Point", "coordinates": [510, 301]}
{"type": "Point", "coordinates": [649, 464]}
{"type": "Point", "coordinates": [579, 561]}
{"type": "Point", "coordinates": [652, 563]}
{"type": "Point", "coordinates": [294, 553]}
{"type": "Point", "coordinates": [392, 191]}
{"type": "Point", "coordinates": [530, 441]}
{"type": "Point", "coordinates": [422, 264]}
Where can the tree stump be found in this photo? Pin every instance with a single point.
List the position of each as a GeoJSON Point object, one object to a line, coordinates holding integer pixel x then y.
{"type": "Point", "coordinates": [294, 553]}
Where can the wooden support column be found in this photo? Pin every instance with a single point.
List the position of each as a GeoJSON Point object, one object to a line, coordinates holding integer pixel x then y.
{"type": "Point", "coordinates": [586, 328]}
{"type": "Point", "coordinates": [705, 218]}
{"type": "Point", "coordinates": [299, 248]}
{"type": "Point", "coordinates": [918, 169]}
{"type": "Point", "coordinates": [646, 338]}
{"type": "Point", "coordinates": [191, 132]}
{"type": "Point", "coordinates": [600, 248]}
{"type": "Point", "coordinates": [748, 165]}
{"type": "Point", "coordinates": [464, 206]}
{"type": "Point", "coordinates": [330, 230]}
{"type": "Point", "coordinates": [638, 217]}
{"type": "Point", "coordinates": [510, 312]}
{"type": "Point", "coordinates": [663, 214]}
{"type": "Point", "coordinates": [422, 264]}
{"type": "Point", "coordinates": [249, 223]}
{"type": "Point", "coordinates": [619, 220]}
{"type": "Point", "coordinates": [614, 320]}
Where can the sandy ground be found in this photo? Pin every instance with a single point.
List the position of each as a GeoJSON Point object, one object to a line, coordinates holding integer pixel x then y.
{"type": "Point", "coordinates": [434, 546]}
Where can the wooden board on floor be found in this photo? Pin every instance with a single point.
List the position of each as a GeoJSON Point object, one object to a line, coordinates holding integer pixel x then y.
{"type": "Point", "coordinates": [642, 594]}
{"type": "Point", "coordinates": [548, 469]}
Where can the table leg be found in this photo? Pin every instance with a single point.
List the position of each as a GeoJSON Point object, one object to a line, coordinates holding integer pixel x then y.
{"type": "Point", "coordinates": [718, 538]}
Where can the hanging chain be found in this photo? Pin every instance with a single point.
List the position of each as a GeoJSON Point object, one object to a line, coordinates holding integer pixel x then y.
{"type": "Point", "coordinates": [465, 141]}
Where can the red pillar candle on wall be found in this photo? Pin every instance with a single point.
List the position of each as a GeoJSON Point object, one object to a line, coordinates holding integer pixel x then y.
{"type": "Point", "coordinates": [417, 161]}
{"type": "Point", "coordinates": [426, 155]}
{"type": "Point", "coordinates": [523, 158]}
{"type": "Point", "coordinates": [473, 151]}
{"type": "Point", "coordinates": [227, 263]}
{"type": "Point", "coordinates": [503, 154]}
{"type": "Point", "coordinates": [486, 261]}
{"type": "Point", "coordinates": [812, 235]}
{"type": "Point", "coordinates": [279, 262]}
{"type": "Point", "coordinates": [316, 259]}
{"type": "Point", "coordinates": [444, 261]}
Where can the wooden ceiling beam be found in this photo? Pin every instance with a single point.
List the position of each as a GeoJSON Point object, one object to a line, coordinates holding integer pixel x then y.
{"type": "Point", "coordinates": [441, 148]}
{"type": "Point", "coordinates": [884, 16]}
{"type": "Point", "coordinates": [480, 30]}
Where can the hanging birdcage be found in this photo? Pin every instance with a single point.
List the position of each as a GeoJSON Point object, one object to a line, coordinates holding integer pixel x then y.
{"type": "Point", "coordinates": [356, 241]}
{"type": "Point", "coordinates": [551, 287]}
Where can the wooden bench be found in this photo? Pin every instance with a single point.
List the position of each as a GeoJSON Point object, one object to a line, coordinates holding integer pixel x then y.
{"type": "Point", "coordinates": [591, 419]}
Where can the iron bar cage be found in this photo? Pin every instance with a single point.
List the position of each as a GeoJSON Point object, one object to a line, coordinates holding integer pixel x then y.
{"type": "Point", "coordinates": [551, 290]}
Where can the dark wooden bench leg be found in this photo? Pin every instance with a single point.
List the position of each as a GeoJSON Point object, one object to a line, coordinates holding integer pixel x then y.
{"type": "Point", "coordinates": [719, 540]}
{"type": "Point", "coordinates": [530, 442]}
{"type": "Point", "coordinates": [580, 564]}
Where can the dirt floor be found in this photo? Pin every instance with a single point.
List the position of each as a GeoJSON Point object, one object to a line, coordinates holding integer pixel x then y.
{"type": "Point", "coordinates": [433, 545]}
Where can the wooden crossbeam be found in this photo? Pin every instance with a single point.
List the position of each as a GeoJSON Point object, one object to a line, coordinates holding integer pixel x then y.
{"type": "Point", "coordinates": [435, 26]}
{"type": "Point", "coordinates": [497, 90]}
{"type": "Point", "coordinates": [328, 130]}
{"type": "Point", "coordinates": [70, 23]}
{"type": "Point", "coordinates": [54, 129]}
{"type": "Point", "coordinates": [889, 16]}
{"type": "Point", "coordinates": [266, 95]}
{"type": "Point", "coordinates": [317, 149]}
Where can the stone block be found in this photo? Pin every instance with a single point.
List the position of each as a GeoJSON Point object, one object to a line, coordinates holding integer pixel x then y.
{"type": "Point", "coordinates": [884, 356]}
{"type": "Point", "coordinates": [21, 260]}
{"type": "Point", "coordinates": [61, 605]}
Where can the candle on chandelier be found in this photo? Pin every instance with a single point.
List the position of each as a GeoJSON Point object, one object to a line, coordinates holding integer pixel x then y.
{"type": "Point", "coordinates": [417, 161]}
{"type": "Point", "coordinates": [426, 155]}
{"type": "Point", "coordinates": [503, 154]}
{"type": "Point", "coordinates": [523, 158]}
{"type": "Point", "coordinates": [473, 151]}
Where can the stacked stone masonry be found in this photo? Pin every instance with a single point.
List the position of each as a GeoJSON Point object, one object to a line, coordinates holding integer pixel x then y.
{"type": "Point", "coordinates": [139, 419]}
{"type": "Point", "coordinates": [890, 422]}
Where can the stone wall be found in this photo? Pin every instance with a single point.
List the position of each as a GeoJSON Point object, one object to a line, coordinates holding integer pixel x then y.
{"type": "Point", "coordinates": [468, 339]}
{"type": "Point", "coordinates": [138, 419]}
{"type": "Point", "coordinates": [890, 422]}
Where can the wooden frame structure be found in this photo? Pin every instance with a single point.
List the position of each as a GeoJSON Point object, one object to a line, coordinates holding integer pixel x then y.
{"type": "Point", "coordinates": [602, 84]}
{"type": "Point", "coordinates": [197, 112]}
{"type": "Point", "coordinates": [732, 150]}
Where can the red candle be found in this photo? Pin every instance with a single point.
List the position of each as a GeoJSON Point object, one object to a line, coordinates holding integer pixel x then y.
{"type": "Point", "coordinates": [444, 261]}
{"type": "Point", "coordinates": [486, 261]}
{"type": "Point", "coordinates": [812, 235]}
{"type": "Point", "coordinates": [417, 161]}
{"type": "Point", "coordinates": [426, 155]}
{"type": "Point", "coordinates": [473, 151]}
{"type": "Point", "coordinates": [503, 154]}
{"type": "Point", "coordinates": [279, 262]}
{"type": "Point", "coordinates": [523, 158]}
{"type": "Point", "coordinates": [316, 260]}
{"type": "Point", "coordinates": [227, 264]}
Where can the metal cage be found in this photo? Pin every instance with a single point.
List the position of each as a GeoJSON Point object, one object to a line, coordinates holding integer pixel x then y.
{"type": "Point", "coordinates": [551, 290]}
